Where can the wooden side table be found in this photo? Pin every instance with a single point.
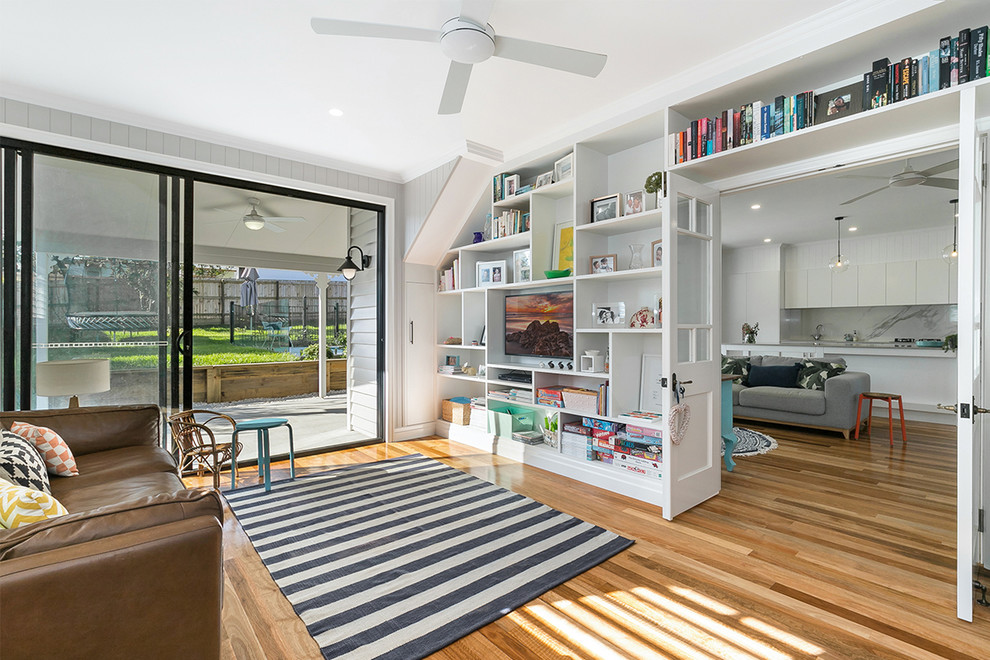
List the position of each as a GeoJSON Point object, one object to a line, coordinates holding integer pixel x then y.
{"type": "Point", "coordinates": [889, 398]}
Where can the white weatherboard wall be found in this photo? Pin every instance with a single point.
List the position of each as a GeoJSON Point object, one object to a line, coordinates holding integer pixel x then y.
{"type": "Point", "coordinates": [751, 292]}
{"type": "Point", "coordinates": [362, 330]}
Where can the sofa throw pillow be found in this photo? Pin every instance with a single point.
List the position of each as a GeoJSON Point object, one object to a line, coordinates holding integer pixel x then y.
{"type": "Point", "coordinates": [781, 376]}
{"type": "Point", "coordinates": [814, 373]}
{"type": "Point", "coordinates": [21, 464]}
{"type": "Point", "coordinates": [22, 506]}
{"type": "Point", "coordinates": [736, 366]}
{"type": "Point", "coordinates": [58, 457]}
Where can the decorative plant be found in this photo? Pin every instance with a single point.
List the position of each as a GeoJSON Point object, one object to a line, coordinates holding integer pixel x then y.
{"type": "Point", "coordinates": [654, 183]}
{"type": "Point", "coordinates": [550, 423]}
{"type": "Point", "coordinates": [951, 342]}
{"type": "Point", "coordinates": [749, 332]}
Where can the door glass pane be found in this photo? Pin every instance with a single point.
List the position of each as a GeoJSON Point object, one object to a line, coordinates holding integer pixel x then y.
{"type": "Point", "coordinates": [693, 280]}
{"type": "Point", "coordinates": [97, 273]}
{"type": "Point", "coordinates": [684, 208]}
{"type": "Point", "coordinates": [702, 344]}
{"type": "Point", "coordinates": [703, 218]}
{"type": "Point", "coordinates": [684, 345]}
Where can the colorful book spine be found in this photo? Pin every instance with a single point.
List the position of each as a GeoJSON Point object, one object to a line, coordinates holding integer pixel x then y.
{"type": "Point", "coordinates": [978, 58]}
{"type": "Point", "coordinates": [963, 53]}
{"type": "Point", "coordinates": [944, 62]}
{"type": "Point", "coordinates": [954, 61]}
{"type": "Point", "coordinates": [923, 73]}
{"type": "Point", "coordinates": [933, 68]}
{"type": "Point", "coordinates": [757, 121]}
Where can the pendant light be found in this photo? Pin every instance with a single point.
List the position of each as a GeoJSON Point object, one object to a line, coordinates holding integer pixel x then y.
{"type": "Point", "coordinates": [950, 253]}
{"type": "Point", "coordinates": [839, 263]}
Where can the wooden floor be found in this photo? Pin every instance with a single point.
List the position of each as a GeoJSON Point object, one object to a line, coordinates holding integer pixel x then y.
{"type": "Point", "coordinates": [824, 548]}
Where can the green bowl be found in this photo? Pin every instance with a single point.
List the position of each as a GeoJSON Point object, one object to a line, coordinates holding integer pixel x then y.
{"type": "Point", "coordinates": [554, 274]}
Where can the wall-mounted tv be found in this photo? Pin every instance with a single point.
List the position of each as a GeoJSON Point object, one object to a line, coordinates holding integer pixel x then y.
{"type": "Point", "coordinates": [540, 324]}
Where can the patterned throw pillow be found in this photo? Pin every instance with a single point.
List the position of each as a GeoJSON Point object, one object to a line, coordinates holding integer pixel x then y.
{"type": "Point", "coordinates": [736, 366]}
{"type": "Point", "coordinates": [58, 457]}
{"type": "Point", "coordinates": [814, 373]}
{"type": "Point", "coordinates": [21, 506]}
{"type": "Point", "coordinates": [21, 464]}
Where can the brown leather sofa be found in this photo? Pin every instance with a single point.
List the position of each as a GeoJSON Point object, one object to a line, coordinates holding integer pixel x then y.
{"type": "Point", "coordinates": [134, 570]}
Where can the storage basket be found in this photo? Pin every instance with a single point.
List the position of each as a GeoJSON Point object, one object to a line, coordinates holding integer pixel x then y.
{"type": "Point", "coordinates": [584, 401]}
{"type": "Point", "coordinates": [504, 420]}
{"type": "Point", "coordinates": [456, 413]}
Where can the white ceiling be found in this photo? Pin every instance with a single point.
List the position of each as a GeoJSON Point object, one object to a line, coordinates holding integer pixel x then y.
{"type": "Point", "coordinates": [254, 74]}
{"type": "Point", "coordinates": [803, 211]}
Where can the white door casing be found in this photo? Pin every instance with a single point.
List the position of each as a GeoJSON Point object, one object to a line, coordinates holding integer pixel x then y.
{"type": "Point", "coordinates": [691, 342]}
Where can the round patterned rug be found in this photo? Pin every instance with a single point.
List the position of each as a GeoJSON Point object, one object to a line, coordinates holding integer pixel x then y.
{"type": "Point", "coordinates": [751, 443]}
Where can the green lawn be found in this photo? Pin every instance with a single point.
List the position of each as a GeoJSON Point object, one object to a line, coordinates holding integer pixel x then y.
{"type": "Point", "coordinates": [211, 346]}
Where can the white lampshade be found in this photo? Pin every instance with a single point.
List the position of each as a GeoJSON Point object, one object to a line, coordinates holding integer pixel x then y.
{"type": "Point", "coordinates": [72, 377]}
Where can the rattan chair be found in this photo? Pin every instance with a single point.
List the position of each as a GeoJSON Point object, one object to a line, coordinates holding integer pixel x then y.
{"type": "Point", "coordinates": [198, 448]}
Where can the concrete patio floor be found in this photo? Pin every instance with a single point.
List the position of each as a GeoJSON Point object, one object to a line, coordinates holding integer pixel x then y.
{"type": "Point", "coordinates": [316, 423]}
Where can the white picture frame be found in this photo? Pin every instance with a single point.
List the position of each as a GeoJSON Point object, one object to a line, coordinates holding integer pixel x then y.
{"type": "Point", "coordinates": [634, 202]}
{"type": "Point", "coordinates": [562, 256]}
{"type": "Point", "coordinates": [522, 265]}
{"type": "Point", "coordinates": [563, 168]}
{"type": "Point", "coordinates": [490, 273]}
{"type": "Point", "coordinates": [650, 390]}
{"type": "Point", "coordinates": [544, 179]}
{"type": "Point", "coordinates": [605, 208]}
{"type": "Point", "coordinates": [610, 313]}
{"type": "Point", "coordinates": [511, 184]}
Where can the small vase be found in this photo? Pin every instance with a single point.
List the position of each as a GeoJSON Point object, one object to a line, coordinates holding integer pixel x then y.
{"type": "Point", "coordinates": [750, 338]}
{"type": "Point", "coordinates": [478, 237]}
{"type": "Point", "coordinates": [636, 258]}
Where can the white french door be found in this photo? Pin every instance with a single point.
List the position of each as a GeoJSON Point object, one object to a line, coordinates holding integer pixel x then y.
{"type": "Point", "coordinates": [972, 445]}
{"type": "Point", "coordinates": [691, 341]}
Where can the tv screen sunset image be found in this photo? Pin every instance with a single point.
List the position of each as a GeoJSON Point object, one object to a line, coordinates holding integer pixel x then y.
{"type": "Point", "coordinates": [540, 324]}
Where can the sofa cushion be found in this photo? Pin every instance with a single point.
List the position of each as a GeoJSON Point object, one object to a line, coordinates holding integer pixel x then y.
{"type": "Point", "coordinates": [777, 376]}
{"type": "Point", "coordinates": [23, 506]}
{"type": "Point", "coordinates": [787, 399]}
{"type": "Point", "coordinates": [106, 521]}
{"type": "Point", "coordinates": [814, 373]}
{"type": "Point", "coordinates": [126, 461]}
{"type": "Point", "coordinates": [736, 366]}
{"type": "Point", "coordinates": [736, 389]}
{"type": "Point", "coordinates": [21, 464]}
{"type": "Point", "coordinates": [58, 457]}
{"type": "Point", "coordinates": [80, 494]}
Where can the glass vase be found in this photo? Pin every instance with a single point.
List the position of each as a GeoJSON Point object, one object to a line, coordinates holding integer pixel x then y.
{"type": "Point", "coordinates": [636, 255]}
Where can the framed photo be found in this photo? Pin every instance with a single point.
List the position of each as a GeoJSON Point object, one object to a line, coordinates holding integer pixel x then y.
{"type": "Point", "coordinates": [656, 252]}
{"type": "Point", "coordinates": [603, 263]}
{"type": "Point", "coordinates": [563, 246]}
{"type": "Point", "coordinates": [511, 185]}
{"type": "Point", "coordinates": [544, 179]}
{"type": "Point", "coordinates": [609, 313]}
{"type": "Point", "coordinates": [522, 266]}
{"type": "Point", "coordinates": [484, 334]}
{"type": "Point", "coordinates": [634, 202]}
{"type": "Point", "coordinates": [605, 208]}
{"type": "Point", "coordinates": [453, 361]}
{"type": "Point", "coordinates": [650, 392]}
{"type": "Point", "coordinates": [491, 273]}
{"type": "Point", "coordinates": [839, 103]}
{"type": "Point", "coordinates": [563, 168]}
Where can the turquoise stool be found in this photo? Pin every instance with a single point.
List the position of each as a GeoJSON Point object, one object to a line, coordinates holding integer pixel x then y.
{"type": "Point", "coordinates": [729, 438]}
{"type": "Point", "coordinates": [262, 426]}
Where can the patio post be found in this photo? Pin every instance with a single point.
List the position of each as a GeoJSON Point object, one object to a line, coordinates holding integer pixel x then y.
{"type": "Point", "coordinates": [322, 279]}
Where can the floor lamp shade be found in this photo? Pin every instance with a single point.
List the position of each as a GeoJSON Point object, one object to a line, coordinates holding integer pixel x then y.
{"type": "Point", "coordinates": [71, 378]}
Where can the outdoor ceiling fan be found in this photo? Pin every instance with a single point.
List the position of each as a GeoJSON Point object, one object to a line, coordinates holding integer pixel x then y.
{"type": "Point", "coordinates": [256, 221]}
{"type": "Point", "coordinates": [467, 40]}
{"type": "Point", "coordinates": [910, 177]}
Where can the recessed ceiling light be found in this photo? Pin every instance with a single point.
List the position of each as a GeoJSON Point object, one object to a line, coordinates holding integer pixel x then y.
{"type": "Point", "coordinates": [336, 112]}
{"type": "Point", "coordinates": [755, 206]}
{"type": "Point", "coordinates": [767, 240]}
{"type": "Point", "coordinates": [853, 228]}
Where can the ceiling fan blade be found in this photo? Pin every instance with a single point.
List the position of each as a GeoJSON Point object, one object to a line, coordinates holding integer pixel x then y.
{"type": "Point", "coordinates": [230, 209]}
{"type": "Point", "coordinates": [948, 184]}
{"type": "Point", "coordinates": [477, 11]}
{"type": "Point", "coordinates": [455, 88]}
{"type": "Point", "coordinates": [856, 199]}
{"type": "Point", "coordinates": [273, 228]}
{"type": "Point", "coordinates": [944, 167]}
{"type": "Point", "coordinates": [270, 218]}
{"type": "Point", "coordinates": [863, 176]}
{"type": "Point", "coordinates": [554, 57]}
{"type": "Point", "coordinates": [357, 29]}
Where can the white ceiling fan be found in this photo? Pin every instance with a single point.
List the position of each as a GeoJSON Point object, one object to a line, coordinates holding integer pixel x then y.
{"type": "Point", "coordinates": [910, 177]}
{"type": "Point", "coordinates": [468, 40]}
{"type": "Point", "coordinates": [256, 221]}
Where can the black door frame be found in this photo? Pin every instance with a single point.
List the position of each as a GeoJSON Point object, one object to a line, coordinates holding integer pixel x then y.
{"type": "Point", "coordinates": [11, 148]}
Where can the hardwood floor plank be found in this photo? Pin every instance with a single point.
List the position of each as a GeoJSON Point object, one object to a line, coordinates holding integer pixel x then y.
{"type": "Point", "coordinates": [822, 548]}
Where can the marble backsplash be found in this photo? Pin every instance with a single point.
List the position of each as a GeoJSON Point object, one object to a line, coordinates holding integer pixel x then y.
{"type": "Point", "coordinates": [879, 324]}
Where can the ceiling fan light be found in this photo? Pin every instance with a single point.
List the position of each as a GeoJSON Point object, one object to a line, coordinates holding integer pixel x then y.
{"type": "Point", "coordinates": [467, 43]}
{"type": "Point", "coordinates": [254, 222]}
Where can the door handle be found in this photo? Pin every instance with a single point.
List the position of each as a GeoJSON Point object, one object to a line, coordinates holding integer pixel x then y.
{"type": "Point", "coordinates": [182, 343]}
{"type": "Point", "coordinates": [977, 410]}
{"type": "Point", "coordinates": [941, 407]}
{"type": "Point", "coordinates": [411, 332]}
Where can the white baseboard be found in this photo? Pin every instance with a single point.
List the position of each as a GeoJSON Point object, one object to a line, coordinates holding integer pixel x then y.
{"type": "Point", "coordinates": [414, 432]}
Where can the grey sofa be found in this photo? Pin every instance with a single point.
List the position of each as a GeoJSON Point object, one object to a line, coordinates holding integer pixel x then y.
{"type": "Point", "coordinates": [833, 409]}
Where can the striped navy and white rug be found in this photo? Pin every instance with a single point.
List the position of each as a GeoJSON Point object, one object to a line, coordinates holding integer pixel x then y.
{"type": "Point", "coordinates": [399, 558]}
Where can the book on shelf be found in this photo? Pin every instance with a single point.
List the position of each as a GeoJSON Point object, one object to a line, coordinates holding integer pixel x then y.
{"type": "Point", "coordinates": [978, 58]}
{"type": "Point", "coordinates": [528, 437]}
{"type": "Point", "coordinates": [449, 369]}
{"type": "Point", "coordinates": [944, 62]}
{"type": "Point", "coordinates": [641, 416]}
{"type": "Point", "coordinates": [510, 395]}
{"type": "Point", "coordinates": [962, 46]}
{"type": "Point", "coordinates": [509, 222]}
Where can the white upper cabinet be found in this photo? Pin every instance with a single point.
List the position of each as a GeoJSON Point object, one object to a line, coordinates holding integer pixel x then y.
{"type": "Point", "coordinates": [845, 288]}
{"type": "Point", "coordinates": [932, 282]}
{"type": "Point", "coordinates": [795, 289]}
{"type": "Point", "coordinates": [901, 283]}
{"type": "Point", "coordinates": [871, 284]}
{"type": "Point", "coordinates": [820, 287]}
